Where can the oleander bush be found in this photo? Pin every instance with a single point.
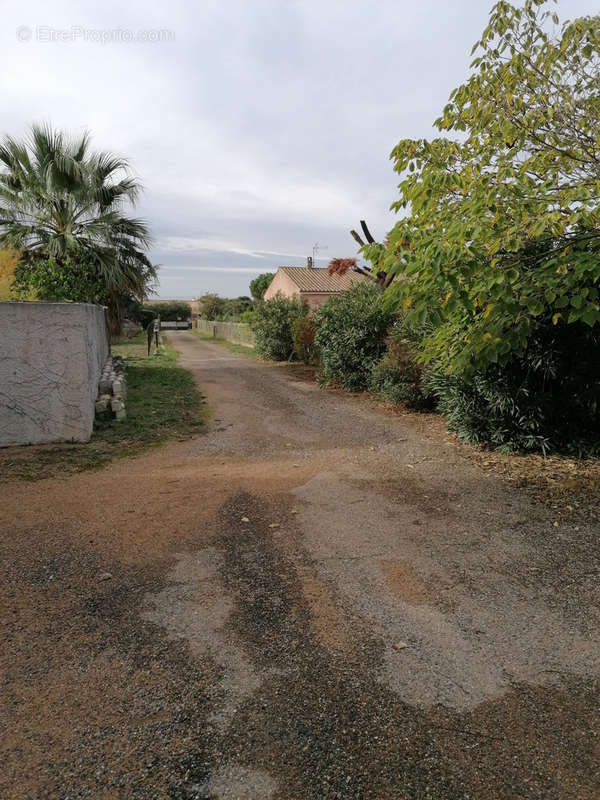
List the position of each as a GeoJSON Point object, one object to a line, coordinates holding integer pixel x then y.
{"type": "Point", "coordinates": [273, 326]}
{"type": "Point", "coordinates": [547, 398]}
{"type": "Point", "coordinates": [352, 328]}
{"type": "Point", "coordinates": [304, 331]}
{"type": "Point", "coordinates": [397, 376]}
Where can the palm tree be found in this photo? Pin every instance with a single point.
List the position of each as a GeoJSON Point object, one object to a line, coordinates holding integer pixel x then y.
{"type": "Point", "coordinates": [63, 204]}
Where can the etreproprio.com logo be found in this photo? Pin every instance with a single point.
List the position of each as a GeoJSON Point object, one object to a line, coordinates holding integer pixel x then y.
{"type": "Point", "coordinates": [77, 33]}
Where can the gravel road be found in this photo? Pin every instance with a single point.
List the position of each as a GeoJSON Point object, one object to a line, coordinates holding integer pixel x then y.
{"type": "Point", "coordinates": [317, 599]}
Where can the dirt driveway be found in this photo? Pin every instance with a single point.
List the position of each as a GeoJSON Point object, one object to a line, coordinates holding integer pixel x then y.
{"type": "Point", "coordinates": [314, 600]}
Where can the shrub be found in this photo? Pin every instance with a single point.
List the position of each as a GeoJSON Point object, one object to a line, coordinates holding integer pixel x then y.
{"type": "Point", "coordinates": [211, 306]}
{"type": "Point", "coordinates": [259, 285]}
{"type": "Point", "coordinates": [248, 318]}
{"type": "Point", "coordinates": [170, 310]}
{"type": "Point", "coordinates": [546, 399]}
{"type": "Point", "coordinates": [235, 307]}
{"type": "Point", "coordinates": [398, 377]}
{"type": "Point", "coordinates": [144, 317]}
{"type": "Point", "coordinates": [9, 260]}
{"type": "Point", "coordinates": [273, 326]}
{"type": "Point", "coordinates": [351, 333]}
{"type": "Point", "coordinates": [304, 329]}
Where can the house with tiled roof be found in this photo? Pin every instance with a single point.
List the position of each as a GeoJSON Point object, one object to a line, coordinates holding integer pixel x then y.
{"type": "Point", "coordinates": [312, 285]}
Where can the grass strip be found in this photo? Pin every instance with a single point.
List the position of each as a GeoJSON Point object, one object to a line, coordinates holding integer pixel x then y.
{"type": "Point", "coordinates": [163, 403]}
{"type": "Point", "coordinates": [240, 349]}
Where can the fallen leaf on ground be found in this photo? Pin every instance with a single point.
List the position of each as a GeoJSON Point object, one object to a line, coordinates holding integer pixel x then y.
{"type": "Point", "coordinates": [245, 519]}
{"type": "Point", "coordinates": [400, 645]}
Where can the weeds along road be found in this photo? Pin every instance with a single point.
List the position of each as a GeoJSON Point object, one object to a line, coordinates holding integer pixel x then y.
{"type": "Point", "coordinates": [316, 599]}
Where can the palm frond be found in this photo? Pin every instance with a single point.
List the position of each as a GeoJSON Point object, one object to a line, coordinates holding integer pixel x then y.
{"type": "Point", "coordinates": [59, 200]}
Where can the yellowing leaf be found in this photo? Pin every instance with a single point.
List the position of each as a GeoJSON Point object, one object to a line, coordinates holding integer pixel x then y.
{"type": "Point", "coordinates": [555, 318]}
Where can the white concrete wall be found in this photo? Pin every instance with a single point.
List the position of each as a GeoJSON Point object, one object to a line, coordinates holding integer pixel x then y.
{"type": "Point", "coordinates": [51, 357]}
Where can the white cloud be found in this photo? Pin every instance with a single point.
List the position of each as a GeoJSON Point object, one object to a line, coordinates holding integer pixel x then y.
{"type": "Point", "coordinates": [236, 270]}
{"type": "Point", "coordinates": [263, 127]}
{"type": "Point", "coordinates": [186, 244]}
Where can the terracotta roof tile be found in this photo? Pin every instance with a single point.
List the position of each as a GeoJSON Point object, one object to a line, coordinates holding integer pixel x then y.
{"type": "Point", "coordinates": [319, 280]}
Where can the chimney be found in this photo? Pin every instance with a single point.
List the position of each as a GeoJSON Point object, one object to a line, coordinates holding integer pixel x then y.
{"type": "Point", "coordinates": [309, 262]}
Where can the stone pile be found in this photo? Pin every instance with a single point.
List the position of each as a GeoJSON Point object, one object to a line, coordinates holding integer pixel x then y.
{"type": "Point", "coordinates": [112, 389]}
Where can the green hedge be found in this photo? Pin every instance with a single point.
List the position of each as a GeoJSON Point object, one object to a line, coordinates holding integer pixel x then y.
{"type": "Point", "coordinates": [273, 326]}
{"type": "Point", "coordinates": [304, 330]}
{"type": "Point", "coordinates": [351, 335]}
{"type": "Point", "coordinates": [546, 399]}
{"type": "Point", "coordinates": [398, 377]}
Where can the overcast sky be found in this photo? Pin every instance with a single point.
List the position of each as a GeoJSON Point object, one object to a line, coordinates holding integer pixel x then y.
{"type": "Point", "coordinates": [258, 127]}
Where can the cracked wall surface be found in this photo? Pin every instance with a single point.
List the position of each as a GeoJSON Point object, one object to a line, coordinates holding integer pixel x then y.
{"type": "Point", "coordinates": [51, 357]}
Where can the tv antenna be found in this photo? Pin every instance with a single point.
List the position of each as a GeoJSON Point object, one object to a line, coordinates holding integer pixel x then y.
{"type": "Point", "coordinates": [316, 248]}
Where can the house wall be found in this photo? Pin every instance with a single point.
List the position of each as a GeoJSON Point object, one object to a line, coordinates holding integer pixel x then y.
{"type": "Point", "coordinates": [52, 358]}
{"type": "Point", "coordinates": [315, 299]}
{"type": "Point", "coordinates": [281, 284]}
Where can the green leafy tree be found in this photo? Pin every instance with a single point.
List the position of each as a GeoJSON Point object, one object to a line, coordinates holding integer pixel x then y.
{"type": "Point", "coordinates": [503, 220]}
{"type": "Point", "coordinates": [259, 285]}
{"type": "Point", "coordinates": [236, 306]}
{"type": "Point", "coordinates": [64, 207]}
{"type": "Point", "coordinates": [170, 310]}
{"type": "Point", "coordinates": [211, 306]}
{"type": "Point", "coordinates": [248, 318]}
